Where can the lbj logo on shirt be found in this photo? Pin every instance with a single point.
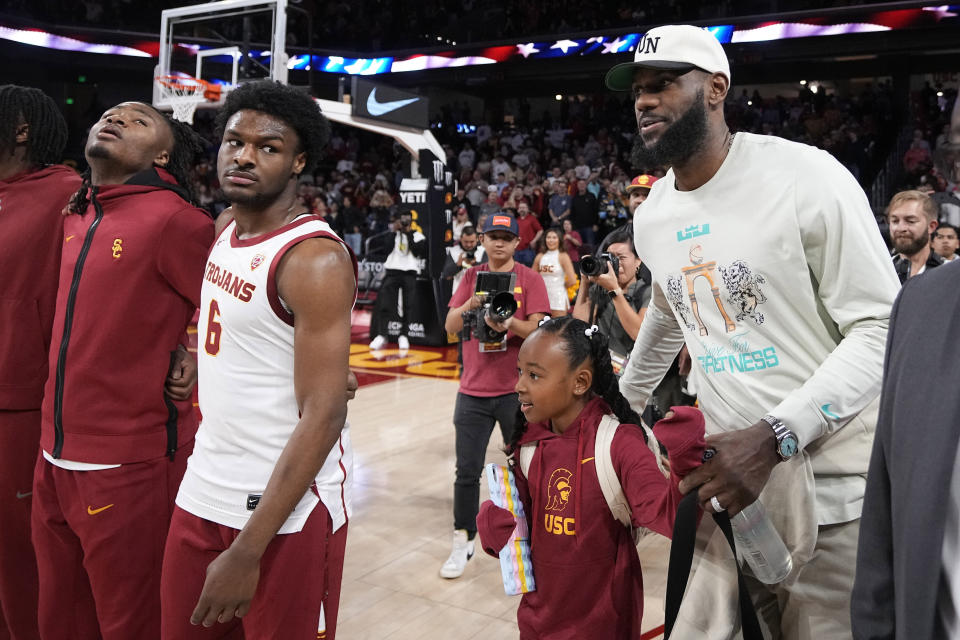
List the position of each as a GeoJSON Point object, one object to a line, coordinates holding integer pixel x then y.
{"type": "Point", "coordinates": [117, 247]}
{"type": "Point", "coordinates": [558, 495]}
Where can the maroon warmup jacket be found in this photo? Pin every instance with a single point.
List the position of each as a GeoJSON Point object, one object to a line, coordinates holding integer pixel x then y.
{"type": "Point", "coordinates": [129, 284]}
{"type": "Point", "coordinates": [31, 232]}
{"type": "Point", "coordinates": [585, 563]}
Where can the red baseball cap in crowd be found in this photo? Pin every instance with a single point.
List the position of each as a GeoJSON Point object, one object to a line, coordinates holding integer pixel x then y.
{"type": "Point", "coordinates": [643, 181]}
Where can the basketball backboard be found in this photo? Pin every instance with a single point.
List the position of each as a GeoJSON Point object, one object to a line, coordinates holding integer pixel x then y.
{"type": "Point", "coordinates": [225, 42]}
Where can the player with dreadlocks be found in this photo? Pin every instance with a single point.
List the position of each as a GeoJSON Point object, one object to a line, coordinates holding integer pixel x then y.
{"type": "Point", "coordinates": [33, 191]}
{"type": "Point", "coordinates": [585, 563]}
{"type": "Point", "coordinates": [114, 445]}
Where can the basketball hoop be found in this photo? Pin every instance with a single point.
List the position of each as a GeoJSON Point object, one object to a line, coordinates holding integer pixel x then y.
{"type": "Point", "coordinates": [184, 93]}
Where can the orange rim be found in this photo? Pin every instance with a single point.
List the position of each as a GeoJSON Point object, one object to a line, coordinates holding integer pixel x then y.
{"type": "Point", "coordinates": [183, 83]}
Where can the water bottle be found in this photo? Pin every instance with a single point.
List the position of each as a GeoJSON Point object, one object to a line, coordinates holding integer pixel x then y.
{"type": "Point", "coordinates": [758, 543]}
{"type": "Point", "coordinates": [760, 546]}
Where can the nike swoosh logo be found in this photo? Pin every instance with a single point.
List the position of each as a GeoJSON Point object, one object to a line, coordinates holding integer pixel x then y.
{"type": "Point", "coordinates": [94, 512]}
{"type": "Point", "coordinates": [68, 239]}
{"type": "Point", "coordinates": [379, 108]}
{"type": "Point", "coordinates": [826, 410]}
{"type": "Point", "coordinates": [586, 460]}
{"type": "Point", "coordinates": [21, 496]}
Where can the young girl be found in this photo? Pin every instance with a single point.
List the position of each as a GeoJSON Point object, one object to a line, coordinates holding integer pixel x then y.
{"type": "Point", "coordinates": [556, 269]}
{"type": "Point", "coordinates": [588, 581]}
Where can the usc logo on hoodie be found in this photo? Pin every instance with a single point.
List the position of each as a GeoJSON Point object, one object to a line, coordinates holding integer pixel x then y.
{"type": "Point", "coordinates": [558, 495]}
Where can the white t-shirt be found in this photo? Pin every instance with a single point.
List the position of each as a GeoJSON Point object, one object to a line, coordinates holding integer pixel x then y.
{"type": "Point", "coordinates": [455, 252]}
{"type": "Point", "coordinates": [775, 275]}
{"type": "Point", "coordinates": [402, 258]}
{"type": "Point", "coordinates": [246, 392]}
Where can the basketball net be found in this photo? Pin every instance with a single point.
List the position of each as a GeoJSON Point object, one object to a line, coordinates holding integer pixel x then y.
{"type": "Point", "coordinates": [182, 94]}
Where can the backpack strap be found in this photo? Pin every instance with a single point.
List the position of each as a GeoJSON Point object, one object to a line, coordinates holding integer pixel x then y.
{"type": "Point", "coordinates": [654, 445]}
{"type": "Point", "coordinates": [606, 474]}
{"type": "Point", "coordinates": [525, 457]}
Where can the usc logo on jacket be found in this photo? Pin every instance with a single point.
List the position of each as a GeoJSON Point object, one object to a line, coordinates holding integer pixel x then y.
{"type": "Point", "coordinates": [558, 495]}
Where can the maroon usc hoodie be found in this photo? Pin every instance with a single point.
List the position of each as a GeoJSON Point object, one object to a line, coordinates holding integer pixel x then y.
{"type": "Point", "coordinates": [31, 232]}
{"type": "Point", "coordinates": [129, 284]}
{"type": "Point", "coordinates": [585, 563]}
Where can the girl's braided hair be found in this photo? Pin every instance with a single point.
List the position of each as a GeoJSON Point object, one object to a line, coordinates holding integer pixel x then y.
{"type": "Point", "coordinates": [578, 347]}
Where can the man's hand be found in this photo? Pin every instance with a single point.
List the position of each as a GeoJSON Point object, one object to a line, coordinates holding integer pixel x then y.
{"type": "Point", "coordinates": [228, 589]}
{"type": "Point", "coordinates": [606, 280]}
{"type": "Point", "coordinates": [182, 377]}
{"type": "Point", "coordinates": [738, 471]}
{"type": "Point", "coordinates": [475, 302]}
{"type": "Point", "coordinates": [502, 327]}
{"type": "Point", "coordinates": [352, 385]}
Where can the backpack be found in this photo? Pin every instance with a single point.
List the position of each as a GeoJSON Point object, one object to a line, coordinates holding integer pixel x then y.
{"type": "Point", "coordinates": [606, 474]}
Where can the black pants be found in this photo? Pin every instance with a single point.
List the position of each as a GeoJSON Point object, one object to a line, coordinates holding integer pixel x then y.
{"type": "Point", "coordinates": [473, 418]}
{"type": "Point", "coordinates": [386, 307]}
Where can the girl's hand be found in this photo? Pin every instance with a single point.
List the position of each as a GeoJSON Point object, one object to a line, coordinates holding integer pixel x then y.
{"type": "Point", "coordinates": [495, 526]}
{"type": "Point", "coordinates": [681, 430]}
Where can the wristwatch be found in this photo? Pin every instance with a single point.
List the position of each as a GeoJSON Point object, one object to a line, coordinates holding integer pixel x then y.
{"type": "Point", "coordinates": [787, 443]}
{"type": "Point", "coordinates": [615, 292]}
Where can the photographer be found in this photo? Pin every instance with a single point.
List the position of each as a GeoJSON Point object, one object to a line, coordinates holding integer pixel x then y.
{"type": "Point", "coordinates": [487, 392]}
{"type": "Point", "coordinates": [616, 299]}
{"type": "Point", "coordinates": [462, 256]}
{"type": "Point", "coordinates": [402, 267]}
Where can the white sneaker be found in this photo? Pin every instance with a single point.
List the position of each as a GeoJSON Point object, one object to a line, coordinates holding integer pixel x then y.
{"type": "Point", "coordinates": [403, 343]}
{"type": "Point", "coordinates": [378, 343]}
{"type": "Point", "coordinates": [461, 553]}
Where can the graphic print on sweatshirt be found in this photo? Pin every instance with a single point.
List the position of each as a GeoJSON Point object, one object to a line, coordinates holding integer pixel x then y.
{"type": "Point", "coordinates": [735, 294]}
{"type": "Point", "coordinates": [741, 285]}
{"type": "Point", "coordinates": [559, 487]}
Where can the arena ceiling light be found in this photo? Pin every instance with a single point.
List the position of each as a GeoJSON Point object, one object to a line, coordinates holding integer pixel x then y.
{"type": "Point", "coordinates": [466, 56]}
{"type": "Point", "coordinates": [39, 38]}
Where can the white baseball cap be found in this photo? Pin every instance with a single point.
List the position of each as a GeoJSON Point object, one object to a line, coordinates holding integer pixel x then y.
{"type": "Point", "coordinates": [678, 46]}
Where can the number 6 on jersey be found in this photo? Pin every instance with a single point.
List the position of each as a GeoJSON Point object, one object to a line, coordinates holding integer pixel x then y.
{"type": "Point", "coordinates": [212, 343]}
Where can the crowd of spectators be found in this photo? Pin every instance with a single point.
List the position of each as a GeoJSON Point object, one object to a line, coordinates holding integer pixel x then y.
{"type": "Point", "coordinates": [931, 164]}
{"type": "Point", "coordinates": [568, 166]}
{"type": "Point", "coordinates": [374, 25]}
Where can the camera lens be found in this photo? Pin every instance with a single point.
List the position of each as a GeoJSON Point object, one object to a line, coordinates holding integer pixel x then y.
{"type": "Point", "coordinates": [591, 266]}
{"type": "Point", "coordinates": [503, 306]}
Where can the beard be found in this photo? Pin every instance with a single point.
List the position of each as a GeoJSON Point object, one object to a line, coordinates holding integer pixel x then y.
{"type": "Point", "coordinates": [250, 199]}
{"type": "Point", "coordinates": [909, 245]}
{"type": "Point", "coordinates": [98, 151]}
{"type": "Point", "coordinates": [678, 143]}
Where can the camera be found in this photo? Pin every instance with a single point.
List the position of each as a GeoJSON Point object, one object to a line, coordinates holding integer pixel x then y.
{"type": "Point", "coordinates": [597, 265]}
{"type": "Point", "coordinates": [496, 291]}
{"type": "Point", "coordinates": [470, 255]}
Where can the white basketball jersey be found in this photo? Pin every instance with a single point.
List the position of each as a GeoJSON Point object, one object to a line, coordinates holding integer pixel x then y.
{"type": "Point", "coordinates": [247, 400]}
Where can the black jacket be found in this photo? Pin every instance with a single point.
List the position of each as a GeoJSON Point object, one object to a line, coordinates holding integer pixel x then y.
{"type": "Point", "coordinates": [914, 453]}
{"type": "Point", "coordinates": [902, 265]}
